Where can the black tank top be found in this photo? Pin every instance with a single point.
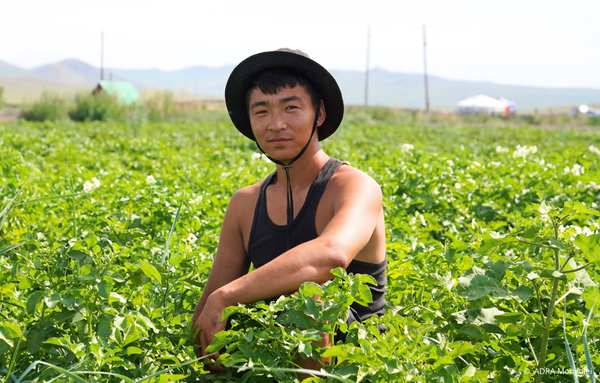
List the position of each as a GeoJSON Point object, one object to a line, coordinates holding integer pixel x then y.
{"type": "Point", "coordinates": [268, 241]}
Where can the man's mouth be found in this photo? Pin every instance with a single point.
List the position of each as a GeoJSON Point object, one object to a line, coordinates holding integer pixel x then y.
{"type": "Point", "coordinates": [279, 141]}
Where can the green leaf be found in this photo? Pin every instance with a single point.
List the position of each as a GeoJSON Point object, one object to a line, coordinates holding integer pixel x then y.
{"type": "Point", "coordinates": [545, 208]}
{"type": "Point", "coordinates": [473, 331]}
{"type": "Point", "coordinates": [553, 274]}
{"type": "Point", "coordinates": [581, 208]}
{"type": "Point", "coordinates": [340, 273]}
{"type": "Point", "coordinates": [166, 378]}
{"type": "Point", "coordinates": [590, 245]}
{"type": "Point", "coordinates": [9, 331]}
{"type": "Point", "coordinates": [309, 289]}
{"type": "Point", "coordinates": [497, 269]}
{"type": "Point", "coordinates": [364, 296]}
{"type": "Point", "coordinates": [104, 288]}
{"type": "Point", "coordinates": [133, 350]}
{"type": "Point", "coordinates": [510, 318]}
{"type": "Point", "coordinates": [33, 301]}
{"type": "Point", "coordinates": [338, 351]}
{"type": "Point", "coordinates": [477, 316]}
{"type": "Point", "coordinates": [523, 292]}
{"type": "Point", "coordinates": [481, 285]}
{"type": "Point", "coordinates": [560, 245]}
{"type": "Point", "coordinates": [151, 271]}
{"type": "Point", "coordinates": [493, 239]}
{"type": "Point", "coordinates": [492, 329]}
{"type": "Point", "coordinates": [366, 278]}
{"type": "Point", "coordinates": [221, 339]}
{"type": "Point", "coordinates": [12, 247]}
{"type": "Point", "coordinates": [52, 300]}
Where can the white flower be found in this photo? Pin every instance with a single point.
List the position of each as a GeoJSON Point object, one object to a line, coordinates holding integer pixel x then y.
{"type": "Point", "coordinates": [577, 170]}
{"type": "Point", "coordinates": [473, 224]}
{"type": "Point", "coordinates": [545, 218]}
{"type": "Point", "coordinates": [457, 185]}
{"type": "Point", "coordinates": [255, 156]}
{"type": "Point", "coordinates": [587, 232]}
{"type": "Point", "coordinates": [407, 147]}
{"type": "Point", "coordinates": [524, 151]}
{"type": "Point", "coordinates": [89, 186]}
{"type": "Point", "coordinates": [594, 149]}
{"type": "Point", "coordinates": [496, 163]}
{"type": "Point", "coordinates": [40, 236]}
{"type": "Point", "coordinates": [510, 254]}
{"type": "Point", "coordinates": [500, 149]}
{"type": "Point", "coordinates": [156, 200]}
{"type": "Point", "coordinates": [450, 162]}
{"type": "Point", "coordinates": [192, 238]}
{"type": "Point", "coordinates": [198, 199]}
{"type": "Point", "coordinates": [150, 180]}
{"type": "Point", "coordinates": [422, 220]}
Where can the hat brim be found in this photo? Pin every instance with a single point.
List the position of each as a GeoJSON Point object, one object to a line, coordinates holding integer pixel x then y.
{"type": "Point", "coordinates": [242, 76]}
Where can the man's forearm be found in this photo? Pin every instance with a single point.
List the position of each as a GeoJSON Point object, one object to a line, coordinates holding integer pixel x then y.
{"type": "Point", "coordinates": [311, 261]}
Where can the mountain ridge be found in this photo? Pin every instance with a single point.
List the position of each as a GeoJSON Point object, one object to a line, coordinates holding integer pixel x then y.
{"type": "Point", "coordinates": [405, 90]}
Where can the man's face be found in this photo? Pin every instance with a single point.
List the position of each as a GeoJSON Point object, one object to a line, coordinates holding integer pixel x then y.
{"type": "Point", "coordinates": [282, 122]}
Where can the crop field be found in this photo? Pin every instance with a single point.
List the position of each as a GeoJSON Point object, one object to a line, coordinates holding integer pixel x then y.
{"type": "Point", "coordinates": [108, 232]}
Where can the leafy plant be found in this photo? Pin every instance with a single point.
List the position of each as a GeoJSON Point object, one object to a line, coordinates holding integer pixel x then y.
{"type": "Point", "coordinates": [49, 107]}
{"type": "Point", "coordinates": [97, 107]}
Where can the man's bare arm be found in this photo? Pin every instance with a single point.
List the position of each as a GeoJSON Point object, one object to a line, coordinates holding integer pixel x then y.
{"type": "Point", "coordinates": [230, 261]}
{"type": "Point", "coordinates": [357, 209]}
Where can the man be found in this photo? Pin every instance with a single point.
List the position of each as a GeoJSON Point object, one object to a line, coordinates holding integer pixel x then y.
{"type": "Point", "coordinates": [311, 215]}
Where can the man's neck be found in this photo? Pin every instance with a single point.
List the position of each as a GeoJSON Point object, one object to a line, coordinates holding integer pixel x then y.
{"type": "Point", "coordinates": [303, 171]}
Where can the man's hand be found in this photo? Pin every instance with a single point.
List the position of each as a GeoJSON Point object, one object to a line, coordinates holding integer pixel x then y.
{"type": "Point", "coordinates": [206, 327]}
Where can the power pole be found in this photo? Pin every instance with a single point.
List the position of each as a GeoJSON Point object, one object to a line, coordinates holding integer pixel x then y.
{"type": "Point", "coordinates": [425, 72]}
{"type": "Point", "coordinates": [367, 73]}
{"type": "Point", "coordinates": [102, 56]}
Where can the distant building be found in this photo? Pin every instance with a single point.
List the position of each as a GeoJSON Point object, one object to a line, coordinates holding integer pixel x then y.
{"type": "Point", "coordinates": [584, 109]}
{"type": "Point", "coordinates": [487, 105]}
{"type": "Point", "coordinates": [125, 92]}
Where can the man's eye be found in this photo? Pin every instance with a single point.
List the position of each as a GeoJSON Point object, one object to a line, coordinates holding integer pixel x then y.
{"type": "Point", "coordinates": [260, 112]}
{"type": "Point", "coordinates": [292, 107]}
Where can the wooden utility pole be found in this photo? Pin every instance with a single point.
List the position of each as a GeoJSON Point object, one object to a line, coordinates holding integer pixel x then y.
{"type": "Point", "coordinates": [425, 72]}
{"type": "Point", "coordinates": [102, 56]}
{"type": "Point", "coordinates": [367, 73]}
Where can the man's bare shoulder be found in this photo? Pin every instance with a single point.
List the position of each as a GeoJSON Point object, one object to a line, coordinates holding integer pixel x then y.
{"type": "Point", "coordinates": [349, 179]}
{"type": "Point", "coordinates": [246, 196]}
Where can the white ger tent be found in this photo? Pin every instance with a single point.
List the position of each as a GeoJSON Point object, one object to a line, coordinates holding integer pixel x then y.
{"type": "Point", "coordinates": [481, 104]}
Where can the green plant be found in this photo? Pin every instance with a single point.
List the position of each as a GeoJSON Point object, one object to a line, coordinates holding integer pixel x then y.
{"type": "Point", "coordinates": [530, 282]}
{"type": "Point", "coordinates": [99, 271]}
{"type": "Point", "coordinates": [49, 107]}
{"type": "Point", "coordinates": [97, 107]}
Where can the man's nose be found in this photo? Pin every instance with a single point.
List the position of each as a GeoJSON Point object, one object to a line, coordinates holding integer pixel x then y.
{"type": "Point", "coordinates": [278, 122]}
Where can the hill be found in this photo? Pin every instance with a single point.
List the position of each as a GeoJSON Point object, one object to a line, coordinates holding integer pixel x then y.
{"type": "Point", "coordinates": [402, 90]}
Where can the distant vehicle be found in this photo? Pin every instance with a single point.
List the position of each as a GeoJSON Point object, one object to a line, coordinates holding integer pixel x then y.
{"type": "Point", "coordinates": [584, 109]}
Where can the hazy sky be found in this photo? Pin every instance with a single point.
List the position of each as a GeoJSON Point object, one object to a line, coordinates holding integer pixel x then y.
{"type": "Point", "coordinates": [527, 42]}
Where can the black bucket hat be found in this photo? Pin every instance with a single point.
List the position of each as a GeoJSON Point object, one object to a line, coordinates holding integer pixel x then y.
{"type": "Point", "coordinates": [242, 76]}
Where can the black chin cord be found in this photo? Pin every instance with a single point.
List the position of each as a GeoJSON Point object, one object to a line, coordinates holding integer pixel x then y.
{"type": "Point", "coordinates": [290, 196]}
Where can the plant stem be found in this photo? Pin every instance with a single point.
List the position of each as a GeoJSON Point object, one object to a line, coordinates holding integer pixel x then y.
{"type": "Point", "coordinates": [580, 267]}
{"type": "Point", "coordinates": [546, 334]}
{"type": "Point", "coordinates": [536, 244]}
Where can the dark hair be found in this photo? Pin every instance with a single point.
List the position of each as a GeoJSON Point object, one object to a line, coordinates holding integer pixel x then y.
{"type": "Point", "coordinates": [273, 80]}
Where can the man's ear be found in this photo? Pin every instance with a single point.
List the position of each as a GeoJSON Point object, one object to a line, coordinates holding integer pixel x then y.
{"type": "Point", "coordinates": [322, 113]}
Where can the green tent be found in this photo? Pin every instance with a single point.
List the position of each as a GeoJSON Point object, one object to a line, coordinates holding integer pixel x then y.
{"type": "Point", "coordinates": [125, 91]}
